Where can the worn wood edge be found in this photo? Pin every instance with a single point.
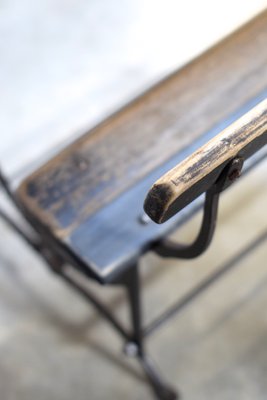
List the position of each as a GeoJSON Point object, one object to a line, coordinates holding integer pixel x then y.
{"type": "Point", "coordinates": [224, 146]}
{"type": "Point", "coordinates": [100, 129]}
{"type": "Point", "coordinates": [139, 100]}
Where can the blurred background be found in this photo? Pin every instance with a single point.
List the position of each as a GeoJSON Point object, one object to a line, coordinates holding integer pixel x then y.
{"type": "Point", "coordinates": [65, 65]}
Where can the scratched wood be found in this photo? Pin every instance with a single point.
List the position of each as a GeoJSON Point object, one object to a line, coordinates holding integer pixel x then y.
{"type": "Point", "coordinates": [240, 139]}
{"type": "Point", "coordinates": [118, 153]}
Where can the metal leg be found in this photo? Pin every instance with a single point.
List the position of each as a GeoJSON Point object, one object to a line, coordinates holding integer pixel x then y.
{"type": "Point", "coordinates": [99, 306]}
{"type": "Point", "coordinates": [132, 283]}
{"type": "Point", "coordinates": [136, 346]}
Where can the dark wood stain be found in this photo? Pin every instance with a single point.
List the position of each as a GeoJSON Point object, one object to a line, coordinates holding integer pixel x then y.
{"type": "Point", "coordinates": [121, 151]}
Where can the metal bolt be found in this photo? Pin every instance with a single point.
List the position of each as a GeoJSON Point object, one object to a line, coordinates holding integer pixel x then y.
{"type": "Point", "coordinates": [235, 170]}
{"type": "Point", "coordinates": [234, 174]}
{"type": "Point", "coordinates": [131, 349]}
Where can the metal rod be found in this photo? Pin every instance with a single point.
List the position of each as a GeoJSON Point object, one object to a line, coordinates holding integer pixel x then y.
{"type": "Point", "coordinates": [182, 303]}
{"type": "Point", "coordinates": [162, 389]}
{"type": "Point", "coordinates": [6, 187]}
{"type": "Point", "coordinates": [132, 283]}
{"type": "Point", "coordinates": [31, 242]}
{"type": "Point", "coordinates": [96, 303]}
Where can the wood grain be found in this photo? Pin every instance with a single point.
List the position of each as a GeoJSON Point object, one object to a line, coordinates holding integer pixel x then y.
{"type": "Point", "coordinates": [230, 143]}
{"type": "Point", "coordinates": [125, 148]}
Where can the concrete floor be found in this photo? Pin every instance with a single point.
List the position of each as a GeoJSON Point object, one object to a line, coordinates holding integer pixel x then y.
{"type": "Point", "coordinates": [54, 346]}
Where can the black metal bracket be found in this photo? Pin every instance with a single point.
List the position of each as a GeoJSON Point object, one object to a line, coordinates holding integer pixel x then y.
{"type": "Point", "coordinates": [169, 248]}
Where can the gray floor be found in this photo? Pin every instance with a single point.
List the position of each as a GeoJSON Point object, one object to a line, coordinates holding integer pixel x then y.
{"type": "Point", "coordinates": [53, 346]}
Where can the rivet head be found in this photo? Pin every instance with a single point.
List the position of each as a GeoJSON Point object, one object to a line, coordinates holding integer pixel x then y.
{"type": "Point", "coordinates": [235, 170]}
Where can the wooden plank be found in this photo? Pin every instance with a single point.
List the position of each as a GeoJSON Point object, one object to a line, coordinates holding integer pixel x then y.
{"type": "Point", "coordinates": [126, 147]}
{"type": "Point", "coordinates": [171, 192]}
{"type": "Point", "coordinates": [117, 234]}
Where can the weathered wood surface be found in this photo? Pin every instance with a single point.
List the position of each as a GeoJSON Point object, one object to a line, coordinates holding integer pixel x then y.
{"type": "Point", "coordinates": [241, 139]}
{"type": "Point", "coordinates": [118, 153]}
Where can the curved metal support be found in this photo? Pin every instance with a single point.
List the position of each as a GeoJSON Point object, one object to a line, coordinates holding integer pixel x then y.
{"type": "Point", "coordinates": [169, 248]}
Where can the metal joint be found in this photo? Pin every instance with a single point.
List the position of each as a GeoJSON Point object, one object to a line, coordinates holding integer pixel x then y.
{"type": "Point", "coordinates": [169, 248]}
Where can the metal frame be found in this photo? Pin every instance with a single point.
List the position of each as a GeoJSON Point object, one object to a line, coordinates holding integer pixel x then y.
{"type": "Point", "coordinates": [135, 337]}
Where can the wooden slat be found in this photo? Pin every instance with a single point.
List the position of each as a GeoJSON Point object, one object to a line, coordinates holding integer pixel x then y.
{"type": "Point", "coordinates": [129, 145]}
{"type": "Point", "coordinates": [171, 192]}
